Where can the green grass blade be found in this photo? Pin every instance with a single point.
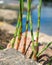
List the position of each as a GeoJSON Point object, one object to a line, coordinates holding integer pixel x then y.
{"type": "Point", "coordinates": [38, 25]}
{"type": "Point", "coordinates": [44, 49]}
{"type": "Point", "coordinates": [20, 26]}
{"type": "Point", "coordinates": [18, 23]}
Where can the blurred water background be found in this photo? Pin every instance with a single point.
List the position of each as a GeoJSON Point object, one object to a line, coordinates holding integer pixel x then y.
{"type": "Point", "coordinates": [46, 16]}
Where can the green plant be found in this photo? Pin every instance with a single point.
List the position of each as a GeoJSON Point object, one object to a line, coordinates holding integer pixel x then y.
{"type": "Point", "coordinates": [44, 49]}
{"type": "Point", "coordinates": [18, 26]}
{"type": "Point", "coordinates": [27, 22]}
{"type": "Point", "coordinates": [50, 61]}
{"type": "Point", "coordinates": [30, 22]}
{"type": "Point", "coordinates": [35, 46]}
{"type": "Point", "coordinates": [1, 47]}
{"type": "Point", "coordinates": [18, 32]}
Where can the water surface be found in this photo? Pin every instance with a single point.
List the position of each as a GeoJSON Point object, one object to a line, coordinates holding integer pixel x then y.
{"type": "Point", "coordinates": [46, 17]}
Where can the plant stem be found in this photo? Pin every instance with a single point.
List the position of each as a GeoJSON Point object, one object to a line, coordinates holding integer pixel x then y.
{"type": "Point", "coordinates": [31, 27]}
{"type": "Point", "coordinates": [20, 26]}
{"type": "Point", "coordinates": [25, 38]}
{"type": "Point", "coordinates": [30, 21]}
{"type": "Point", "coordinates": [15, 34]}
{"type": "Point", "coordinates": [44, 49]}
{"type": "Point", "coordinates": [33, 46]}
{"type": "Point", "coordinates": [24, 47]}
{"type": "Point", "coordinates": [17, 26]}
{"type": "Point", "coordinates": [38, 29]}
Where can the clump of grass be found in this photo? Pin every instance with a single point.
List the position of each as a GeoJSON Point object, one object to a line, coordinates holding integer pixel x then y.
{"type": "Point", "coordinates": [18, 31]}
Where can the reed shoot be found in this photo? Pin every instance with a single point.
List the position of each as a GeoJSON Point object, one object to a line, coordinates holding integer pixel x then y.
{"type": "Point", "coordinates": [15, 34]}
{"type": "Point", "coordinates": [27, 22]}
{"type": "Point", "coordinates": [44, 49]}
{"type": "Point", "coordinates": [31, 26]}
{"type": "Point", "coordinates": [18, 23]}
{"type": "Point", "coordinates": [38, 29]}
{"type": "Point", "coordinates": [20, 26]}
